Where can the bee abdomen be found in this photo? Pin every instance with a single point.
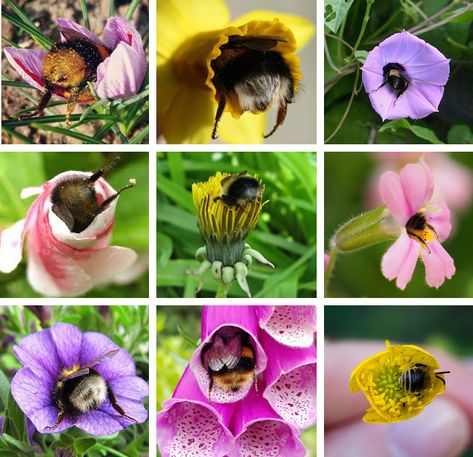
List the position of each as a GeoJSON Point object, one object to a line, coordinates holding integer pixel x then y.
{"type": "Point", "coordinates": [415, 379]}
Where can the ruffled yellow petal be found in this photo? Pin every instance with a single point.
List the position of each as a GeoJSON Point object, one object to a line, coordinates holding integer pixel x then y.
{"type": "Point", "coordinates": [167, 86]}
{"type": "Point", "coordinates": [379, 379]}
{"type": "Point", "coordinates": [178, 20]}
{"type": "Point", "coordinates": [248, 129]}
{"type": "Point", "coordinates": [302, 29]}
{"type": "Point", "coordinates": [190, 118]}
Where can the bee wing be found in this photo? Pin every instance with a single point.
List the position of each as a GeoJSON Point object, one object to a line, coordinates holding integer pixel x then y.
{"type": "Point", "coordinates": [255, 42]}
{"type": "Point", "coordinates": [70, 34]}
{"type": "Point", "coordinates": [108, 355]}
{"type": "Point", "coordinates": [224, 353]}
{"type": "Point", "coordinates": [76, 374]}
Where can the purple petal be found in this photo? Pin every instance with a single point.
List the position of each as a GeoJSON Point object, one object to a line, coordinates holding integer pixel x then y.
{"type": "Point", "coordinates": [132, 408]}
{"type": "Point", "coordinates": [290, 379]}
{"type": "Point", "coordinates": [95, 345]}
{"type": "Point", "coordinates": [401, 48]}
{"type": "Point", "coordinates": [189, 427]}
{"type": "Point", "coordinates": [131, 387]}
{"type": "Point", "coordinates": [71, 25]}
{"type": "Point", "coordinates": [121, 74]}
{"type": "Point", "coordinates": [214, 318]}
{"type": "Point", "coordinates": [38, 352]}
{"type": "Point", "coordinates": [46, 417]}
{"type": "Point", "coordinates": [28, 63]}
{"type": "Point", "coordinates": [290, 325]}
{"type": "Point", "coordinates": [68, 339]}
{"type": "Point", "coordinates": [119, 29]}
{"type": "Point", "coordinates": [98, 423]}
{"type": "Point", "coordinates": [260, 432]}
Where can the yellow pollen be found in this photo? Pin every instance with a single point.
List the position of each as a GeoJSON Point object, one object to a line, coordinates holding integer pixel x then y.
{"type": "Point", "coordinates": [65, 372]}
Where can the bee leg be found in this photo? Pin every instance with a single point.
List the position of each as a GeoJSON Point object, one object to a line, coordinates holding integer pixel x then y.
{"type": "Point", "coordinates": [113, 197]}
{"type": "Point", "coordinates": [41, 105]}
{"type": "Point", "coordinates": [117, 407]}
{"type": "Point", "coordinates": [71, 104]}
{"type": "Point", "coordinates": [280, 119]}
{"type": "Point", "coordinates": [60, 416]}
{"type": "Point", "coordinates": [218, 115]}
{"type": "Point", "coordinates": [431, 228]}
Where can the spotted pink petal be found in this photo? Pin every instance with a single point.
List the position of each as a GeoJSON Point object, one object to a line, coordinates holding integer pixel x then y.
{"type": "Point", "coordinates": [438, 264]}
{"type": "Point", "coordinates": [400, 260]}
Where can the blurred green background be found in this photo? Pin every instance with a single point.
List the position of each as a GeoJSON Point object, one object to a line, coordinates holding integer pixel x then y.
{"type": "Point", "coordinates": [26, 169]}
{"type": "Point", "coordinates": [452, 124]}
{"type": "Point", "coordinates": [178, 334]}
{"type": "Point", "coordinates": [285, 233]}
{"type": "Point", "coordinates": [358, 274]}
{"type": "Point", "coordinates": [127, 326]}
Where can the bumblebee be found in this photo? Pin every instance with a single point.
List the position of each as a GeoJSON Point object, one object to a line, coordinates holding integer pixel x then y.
{"type": "Point", "coordinates": [74, 199]}
{"type": "Point", "coordinates": [230, 360]}
{"type": "Point", "coordinates": [250, 72]}
{"type": "Point", "coordinates": [240, 189]}
{"type": "Point", "coordinates": [82, 390]}
{"type": "Point", "coordinates": [393, 75]}
{"type": "Point", "coordinates": [419, 229]}
{"type": "Point", "coordinates": [418, 378]}
{"type": "Point", "coordinates": [67, 68]}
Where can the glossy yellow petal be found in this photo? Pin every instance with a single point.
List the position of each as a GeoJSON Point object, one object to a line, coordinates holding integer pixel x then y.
{"type": "Point", "coordinates": [178, 20]}
{"type": "Point", "coordinates": [190, 118]}
{"type": "Point", "coordinates": [248, 129]}
{"type": "Point", "coordinates": [167, 86]}
{"type": "Point", "coordinates": [302, 29]}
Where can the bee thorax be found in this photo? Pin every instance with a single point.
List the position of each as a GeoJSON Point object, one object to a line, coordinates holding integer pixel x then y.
{"type": "Point", "coordinates": [89, 394]}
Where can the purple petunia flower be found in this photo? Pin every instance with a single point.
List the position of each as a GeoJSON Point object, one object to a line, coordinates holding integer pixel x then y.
{"type": "Point", "coordinates": [120, 75]}
{"type": "Point", "coordinates": [63, 354]}
{"type": "Point", "coordinates": [405, 77]}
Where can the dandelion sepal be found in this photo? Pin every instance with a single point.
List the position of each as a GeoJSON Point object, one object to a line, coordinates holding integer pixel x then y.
{"type": "Point", "coordinates": [365, 230]}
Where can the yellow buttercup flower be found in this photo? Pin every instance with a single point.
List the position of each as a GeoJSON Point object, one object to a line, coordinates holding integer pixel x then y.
{"type": "Point", "coordinates": [398, 383]}
{"type": "Point", "coordinates": [191, 36]}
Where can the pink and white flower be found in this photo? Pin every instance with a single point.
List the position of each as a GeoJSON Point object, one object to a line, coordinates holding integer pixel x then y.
{"type": "Point", "coordinates": [423, 224]}
{"type": "Point", "coordinates": [61, 262]}
{"type": "Point", "coordinates": [119, 76]}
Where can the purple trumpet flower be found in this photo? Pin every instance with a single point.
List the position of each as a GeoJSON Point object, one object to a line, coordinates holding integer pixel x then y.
{"type": "Point", "coordinates": [226, 328]}
{"type": "Point", "coordinates": [189, 426]}
{"type": "Point", "coordinates": [290, 325]}
{"type": "Point", "coordinates": [119, 75]}
{"type": "Point", "coordinates": [60, 357]}
{"type": "Point", "coordinates": [290, 379]}
{"type": "Point", "coordinates": [405, 77]}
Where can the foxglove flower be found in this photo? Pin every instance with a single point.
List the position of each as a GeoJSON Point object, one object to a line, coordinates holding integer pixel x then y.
{"type": "Point", "coordinates": [187, 50]}
{"type": "Point", "coordinates": [386, 379]}
{"type": "Point", "coordinates": [120, 75]}
{"type": "Point", "coordinates": [422, 224]}
{"type": "Point", "coordinates": [221, 323]}
{"type": "Point", "coordinates": [58, 354]}
{"type": "Point", "coordinates": [405, 77]}
{"type": "Point", "coordinates": [224, 228]}
{"type": "Point", "coordinates": [61, 260]}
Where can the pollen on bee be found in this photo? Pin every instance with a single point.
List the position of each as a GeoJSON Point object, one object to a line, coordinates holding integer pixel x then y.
{"type": "Point", "coordinates": [65, 372]}
{"type": "Point", "coordinates": [420, 230]}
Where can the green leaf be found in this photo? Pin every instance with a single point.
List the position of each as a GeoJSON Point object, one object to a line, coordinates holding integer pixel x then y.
{"type": "Point", "coordinates": [421, 132]}
{"type": "Point", "coordinates": [460, 134]}
{"type": "Point", "coordinates": [335, 12]}
{"type": "Point", "coordinates": [361, 56]}
{"type": "Point", "coordinates": [15, 421]}
{"type": "Point", "coordinates": [4, 390]}
{"type": "Point", "coordinates": [164, 247]}
{"type": "Point", "coordinates": [82, 445]}
{"type": "Point", "coordinates": [21, 449]}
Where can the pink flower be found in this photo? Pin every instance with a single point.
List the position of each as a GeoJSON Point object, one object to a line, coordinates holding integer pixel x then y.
{"type": "Point", "coordinates": [423, 225]}
{"type": "Point", "coordinates": [120, 75]}
{"type": "Point", "coordinates": [64, 260]}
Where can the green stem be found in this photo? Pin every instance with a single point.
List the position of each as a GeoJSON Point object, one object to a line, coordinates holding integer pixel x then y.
{"type": "Point", "coordinates": [331, 263]}
{"type": "Point", "coordinates": [366, 18]}
{"type": "Point", "coordinates": [222, 290]}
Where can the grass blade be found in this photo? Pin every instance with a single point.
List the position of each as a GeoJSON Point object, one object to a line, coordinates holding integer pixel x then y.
{"type": "Point", "coordinates": [78, 136]}
{"type": "Point", "coordinates": [138, 139]}
{"type": "Point", "coordinates": [85, 13]}
{"type": "Point", "coordinates": [17, 135]}
{"type": "Point", "coordinates": [55, 118]}
{"type": "Point", "coordinates": [132, 8]}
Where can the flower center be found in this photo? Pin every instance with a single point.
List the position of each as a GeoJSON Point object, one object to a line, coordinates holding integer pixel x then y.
{"type": "Point", "coordinates": [420, 230]}
{"type": "Point", "coordinates": [65, 372]}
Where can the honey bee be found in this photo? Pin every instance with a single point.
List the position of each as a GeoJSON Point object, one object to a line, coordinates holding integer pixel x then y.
{"type": "Point", "coordinates": [393, 75]}
{"type": "Point", "coordinates": [240, 189]}
{"type": "Point", "coordinates": [82, 390]}
{"type": "Point", "coordinates": [250, 72]}
{"type": "Point", "coordinates": [74, 199]}
{"type": "Point", "coordinates": [418, 378]}
{"type": "Point", "coordinates": [229, 359]}
{"type": "Point", "coordinates": [419, 229]}
{"type": "Point", "coordinates": [67, 68]}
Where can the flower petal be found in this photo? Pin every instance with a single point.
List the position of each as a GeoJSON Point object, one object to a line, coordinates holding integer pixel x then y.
{"type": "Point", "coordinates": [418, 185]}
{"type": "Point", "coordinates": [79, 29]}
{"type": "Point", "coordinates": [438, 215]}
{"type": "Point", "coordinates": [118, 29]}
{"type": "Point", "coordinates": [401, 48]}
{"type": "Point", "coordinates": [11, 246]}
{"type": "Point", "coordinates": [302, 29]}
{"type": "Point", "coordinates": [46, 417]}
{"type": "Point", "coordinates": [132, 408]}
{"type": "Point", "coordinates": [131, 387]}
{"type": "Point", "coordinates": [392, 195]}
{"type": "Point", "coordinates": [28, 63]}
{"type": "Point", "coordinates": [178, 21]}
{"type": "Point", "coordinates": [67, 339]}
{"type": "Point", "coordinates": [121, 74]}
{"type": "Point", "coordinates": [400, 260]}
{"type": "Point", "coordinates": [438, 264]}
{"type": "Point", "coordinates": [167, 87]}
{"type": "Point", "coordinates": [98, 423]}
{"type": "Point", "coordinates": [372, 70]}
{"type": "Point", "coordinates": [248, 129]}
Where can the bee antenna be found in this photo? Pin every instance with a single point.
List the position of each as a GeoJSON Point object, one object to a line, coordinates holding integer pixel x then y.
{"type": "Point", "coordinates": [109, 200]}
{"type": "Point", "coordinates": [103, 170]}
{"type": "Point", "coordinates": [442, 372]}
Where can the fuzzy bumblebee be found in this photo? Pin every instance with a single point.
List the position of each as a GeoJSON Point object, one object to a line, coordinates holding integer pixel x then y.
{"type": "Point", "coordinates": [398, 383]}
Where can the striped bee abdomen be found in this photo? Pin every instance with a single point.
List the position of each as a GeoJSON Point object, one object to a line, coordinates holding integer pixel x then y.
{"type": "Point", "coordinates": [415, 379]}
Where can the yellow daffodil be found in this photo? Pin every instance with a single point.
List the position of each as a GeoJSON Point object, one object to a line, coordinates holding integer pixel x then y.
{"type": "Point", "coordinates": [398, 383]}
{"type": "Point", "coordinates": [190, 35]}
{"type": "Point", "coordinates": [224, 225]}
